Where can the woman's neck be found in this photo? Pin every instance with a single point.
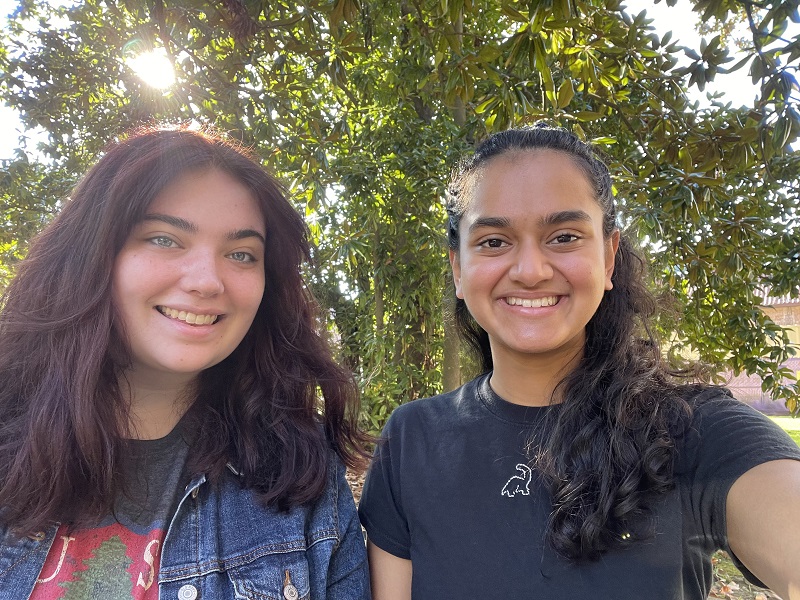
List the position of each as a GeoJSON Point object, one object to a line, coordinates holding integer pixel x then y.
{"type": "Point", "coordinates": [156, 405]}
{"type": "Point", "coordinates": [531, 381]}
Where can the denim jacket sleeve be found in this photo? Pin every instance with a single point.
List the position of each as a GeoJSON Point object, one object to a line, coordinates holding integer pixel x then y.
{"type": "Point", "coordinates": [348, 576]}
{"type": "Point", "coordinates": [224, 543]}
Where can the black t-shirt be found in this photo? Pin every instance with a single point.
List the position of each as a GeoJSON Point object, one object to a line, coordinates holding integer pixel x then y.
{"type": "Point", "coordinates": [450, 488]}
{"type": "Point", "coordinates": [119, 557]}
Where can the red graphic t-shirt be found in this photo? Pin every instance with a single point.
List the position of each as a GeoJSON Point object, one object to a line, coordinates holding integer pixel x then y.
{"type": "Point", "coordinates": [108, 562]}
{"type": "Point", "coordinates": [119, 558]}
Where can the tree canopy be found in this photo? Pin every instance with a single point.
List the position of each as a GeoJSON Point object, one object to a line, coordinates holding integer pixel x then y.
{"type": "Point", "coordinates": [364, 106]}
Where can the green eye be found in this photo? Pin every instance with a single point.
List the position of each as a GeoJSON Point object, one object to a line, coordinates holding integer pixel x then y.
{"type": "Point", "coordinates": [244, 257]}
{"type": "Point", "coordinates": [163, 241]}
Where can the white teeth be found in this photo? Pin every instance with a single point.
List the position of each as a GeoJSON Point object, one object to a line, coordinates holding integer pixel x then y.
{"type": "Point", "coordinates": [532, 302]}
{"type": "Point", "coordinates": [187, 317]}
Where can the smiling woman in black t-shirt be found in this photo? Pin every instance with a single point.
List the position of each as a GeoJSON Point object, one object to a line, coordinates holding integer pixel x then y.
{"type": "Point", "coordinates": [579, 465]}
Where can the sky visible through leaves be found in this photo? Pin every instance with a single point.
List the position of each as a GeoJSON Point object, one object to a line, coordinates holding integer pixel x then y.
{"type": "Point", "coordinates": [736, 87]}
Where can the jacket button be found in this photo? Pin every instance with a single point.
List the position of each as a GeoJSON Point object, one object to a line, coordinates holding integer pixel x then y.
{"type": "Point", "coordinates": [289, 591]}
{"type": "Point", "coordinates": [187, 592]}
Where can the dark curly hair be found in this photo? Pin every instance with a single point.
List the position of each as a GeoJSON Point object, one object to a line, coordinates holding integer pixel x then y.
{"type": "Point", "coordinates": [273, 408]}
{"type": "Point", "coordinates": [610, 448]}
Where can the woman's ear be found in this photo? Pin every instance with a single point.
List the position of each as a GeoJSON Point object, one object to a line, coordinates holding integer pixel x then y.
{"type": "Point", "coordinates": [455, 265]}
{"type": "Point", "coordinates": [612, 245]}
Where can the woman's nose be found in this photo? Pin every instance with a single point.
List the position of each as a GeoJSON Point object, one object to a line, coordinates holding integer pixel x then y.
{"type": "Point", "coordinates": [531, 265]}
{"type": "Point", "coordinates": [201, 275]}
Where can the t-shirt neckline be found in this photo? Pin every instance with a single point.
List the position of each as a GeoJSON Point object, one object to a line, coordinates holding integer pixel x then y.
{"type": "Point", "coordinates": [505, 410]}
{"type": "Point", "coordinates": [155, 447]}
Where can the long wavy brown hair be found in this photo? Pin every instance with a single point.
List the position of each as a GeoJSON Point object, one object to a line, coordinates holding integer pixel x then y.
{"type": "Point", "coordinates": [273, 408]}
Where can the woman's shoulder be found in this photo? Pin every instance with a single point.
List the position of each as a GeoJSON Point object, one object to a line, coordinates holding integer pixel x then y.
{"type": "Point", "coordinates": [727, 435]}
{"type": "Point", "coordinates": [715, 409]}
{"type": "Point", "coordinates": [436, 410]}
{"type": "Point", "coordinates": [701, 395]}
{"type": "Point", "coordinates": [231, 497]}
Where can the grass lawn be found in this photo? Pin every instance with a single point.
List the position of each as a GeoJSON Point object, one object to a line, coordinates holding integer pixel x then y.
{"type": "Point", "coordinates": [791, 426]}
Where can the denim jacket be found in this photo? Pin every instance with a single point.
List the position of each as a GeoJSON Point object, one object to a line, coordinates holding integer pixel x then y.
{"type": "Point", "coordinates": [222, 544]}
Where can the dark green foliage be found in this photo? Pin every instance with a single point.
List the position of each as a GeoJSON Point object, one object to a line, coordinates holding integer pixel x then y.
{"type": "Point", "coordinates": [362, 107]}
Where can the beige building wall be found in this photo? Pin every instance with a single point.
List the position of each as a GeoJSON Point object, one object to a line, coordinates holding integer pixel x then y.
{"type": "Point", "coordinates": [786, 313]}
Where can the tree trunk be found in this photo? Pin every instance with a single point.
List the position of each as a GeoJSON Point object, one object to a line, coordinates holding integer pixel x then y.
{"type": "Point", "coordinates": [451, 367]}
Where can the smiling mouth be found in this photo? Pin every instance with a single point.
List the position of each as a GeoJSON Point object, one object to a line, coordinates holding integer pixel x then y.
{"type": "Point", "coordinates": [532, 302]}
{"type": "Point", "coordinates": [188, 317]}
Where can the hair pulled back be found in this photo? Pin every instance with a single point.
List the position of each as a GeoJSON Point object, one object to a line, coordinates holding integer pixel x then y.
{"type": "Point", "coordinates": [609, 449]}
{"type": "Point", "coordinates": [62, 351]}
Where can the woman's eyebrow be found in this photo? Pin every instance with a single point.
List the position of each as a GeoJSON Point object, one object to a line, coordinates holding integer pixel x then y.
{"type": "Point", "coordinates": [564, 216]}
{"type": "Point", "coordinates": [241, 234]}
{"type": "Point", "coordinates": [177, 222]}
{"type": "Point", "coordinates": [489, 222]}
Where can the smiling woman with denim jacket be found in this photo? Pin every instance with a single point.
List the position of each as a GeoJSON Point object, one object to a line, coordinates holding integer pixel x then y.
{"type": "Point", "coordinates": [172, 425]}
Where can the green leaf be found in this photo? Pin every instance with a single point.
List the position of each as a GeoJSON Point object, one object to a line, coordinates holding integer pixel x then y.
{"type": "Point", "coordinates": [565, 94]}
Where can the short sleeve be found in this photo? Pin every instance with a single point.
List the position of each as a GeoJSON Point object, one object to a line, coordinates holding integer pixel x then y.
{"type": "Point", "coordinates": [727, 439]}
{"type": "Point", "coordinates": [381, 508]}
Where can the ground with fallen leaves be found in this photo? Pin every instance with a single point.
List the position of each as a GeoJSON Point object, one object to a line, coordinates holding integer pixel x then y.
{"type": "Point", "coordinates": [356, 483]}
{"type": "Point", "coordinates": [729, 583]}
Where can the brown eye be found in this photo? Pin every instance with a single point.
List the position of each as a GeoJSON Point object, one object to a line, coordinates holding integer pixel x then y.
{"type": "Point", "coordinates": [565, 238]}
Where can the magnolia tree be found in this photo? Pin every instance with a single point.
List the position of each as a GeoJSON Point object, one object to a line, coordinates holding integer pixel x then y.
{"type": "Point", "coordinates": [363, 108]}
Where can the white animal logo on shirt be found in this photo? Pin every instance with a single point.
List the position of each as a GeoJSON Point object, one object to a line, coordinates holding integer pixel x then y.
{"type": "Point", "coordinates": [518, 484]}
